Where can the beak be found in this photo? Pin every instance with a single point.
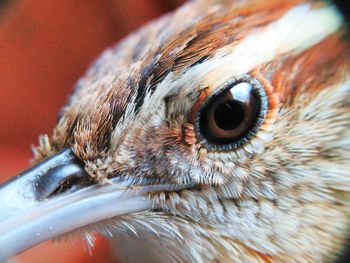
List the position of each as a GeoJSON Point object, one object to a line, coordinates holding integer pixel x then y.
{"type": "Point", "coordinates": [56, 197]}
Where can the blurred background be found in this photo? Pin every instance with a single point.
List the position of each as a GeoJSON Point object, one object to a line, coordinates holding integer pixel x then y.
{"type": "Point", "coordinates": [45, 46]}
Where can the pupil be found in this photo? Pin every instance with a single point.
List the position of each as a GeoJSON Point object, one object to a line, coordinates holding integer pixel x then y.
{"type": "Point", "coordinates": [229, 115]}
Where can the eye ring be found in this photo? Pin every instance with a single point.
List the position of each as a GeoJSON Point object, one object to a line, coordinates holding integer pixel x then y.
{"type": "Point", "coordinates": [237, 123]}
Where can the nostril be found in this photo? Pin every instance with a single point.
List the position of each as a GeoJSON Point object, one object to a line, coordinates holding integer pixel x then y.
{"type": "Point", "coordinates": [60, 179]}
{"type": "Point", "coordinates": [70, 182]}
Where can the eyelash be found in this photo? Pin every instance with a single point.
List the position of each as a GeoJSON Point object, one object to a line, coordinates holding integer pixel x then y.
{"type": "Point", "coordinates": [267, 111]}
{"type": "Point", "coordinates": [222, 103]}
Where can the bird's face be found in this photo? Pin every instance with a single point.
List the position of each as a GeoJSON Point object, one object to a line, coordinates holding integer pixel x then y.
{"type": "Point", "coordinates": [223, 129]}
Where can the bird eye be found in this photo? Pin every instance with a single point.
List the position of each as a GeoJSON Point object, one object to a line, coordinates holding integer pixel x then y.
{"type": "Point", "coordinates": [231, 116]}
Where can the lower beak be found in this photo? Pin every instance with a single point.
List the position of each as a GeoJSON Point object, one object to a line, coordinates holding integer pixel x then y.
{"type": "Point", "coordinates": [56, 197]}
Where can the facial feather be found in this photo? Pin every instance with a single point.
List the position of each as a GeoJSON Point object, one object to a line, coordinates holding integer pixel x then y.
{"type": "Point", "coordinates": [283, 196]}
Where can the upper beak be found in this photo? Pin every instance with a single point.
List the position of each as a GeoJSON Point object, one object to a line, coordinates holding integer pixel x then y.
{"type": "Point", "coordinates": [56, 197]}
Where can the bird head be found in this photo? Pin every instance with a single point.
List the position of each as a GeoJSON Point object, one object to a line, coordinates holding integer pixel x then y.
{"type": "Point", "coordinates": [219, 132]}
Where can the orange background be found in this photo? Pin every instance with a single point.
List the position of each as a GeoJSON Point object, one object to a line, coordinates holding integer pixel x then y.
{"type": "Point", "coordinates": [45, 46]}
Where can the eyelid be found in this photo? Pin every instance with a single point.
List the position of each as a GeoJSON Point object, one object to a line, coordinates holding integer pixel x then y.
{"type": "Point", "coordinates": [205, 98]}
{"type": "Point", "coordinates": [203, 95]}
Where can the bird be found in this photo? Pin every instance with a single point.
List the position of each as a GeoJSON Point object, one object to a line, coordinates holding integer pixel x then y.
{"type": "Point", "coordinates": [216, 133]}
